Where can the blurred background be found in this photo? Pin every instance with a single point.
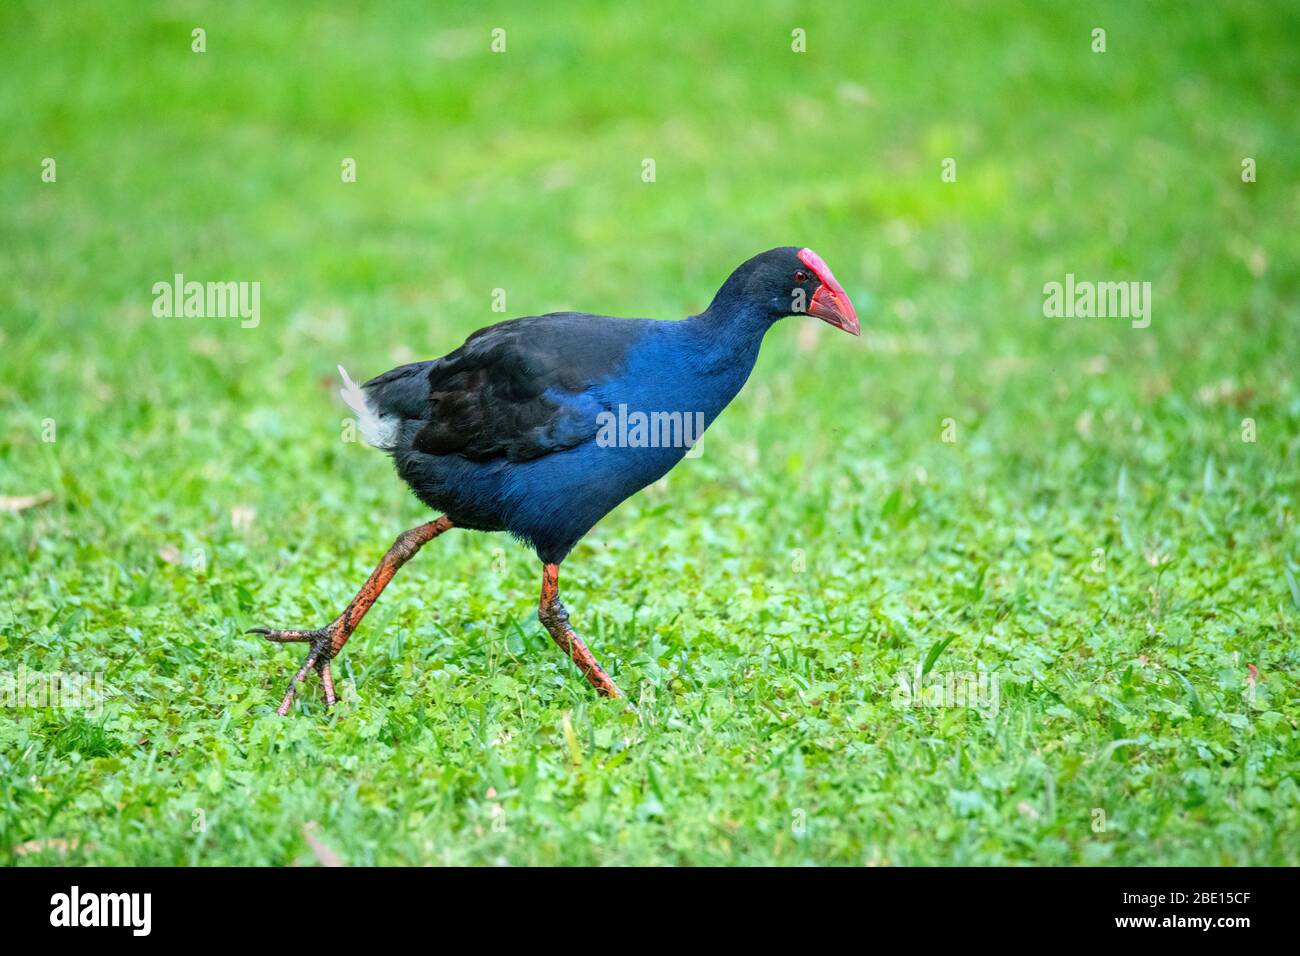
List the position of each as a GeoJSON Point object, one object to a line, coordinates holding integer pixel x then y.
{"type": "Point", "coordinates": [1070, 503]}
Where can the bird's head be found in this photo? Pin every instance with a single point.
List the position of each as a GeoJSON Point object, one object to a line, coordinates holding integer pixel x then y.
{"type": "Point", "coordinates": [790, 281]}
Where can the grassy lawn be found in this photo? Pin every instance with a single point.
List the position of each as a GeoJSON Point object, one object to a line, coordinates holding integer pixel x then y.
{"type": "Point", "coordinates": [1095, 523]}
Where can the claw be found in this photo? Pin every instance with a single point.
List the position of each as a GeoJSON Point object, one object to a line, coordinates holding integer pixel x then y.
{"type": "Point", "coordinates": [318, 658]}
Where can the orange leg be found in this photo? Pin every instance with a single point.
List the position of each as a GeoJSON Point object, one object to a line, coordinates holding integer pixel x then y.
{"type": "Point", "coordinates": [556, 621]}
{"type": "Point", "coordinates": [327, 641]}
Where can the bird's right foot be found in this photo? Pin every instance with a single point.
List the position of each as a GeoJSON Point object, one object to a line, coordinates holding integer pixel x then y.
{"type": "Point", "coordinates": [324, 643]}
{"type": "Point", "coordinates": [556, 621]}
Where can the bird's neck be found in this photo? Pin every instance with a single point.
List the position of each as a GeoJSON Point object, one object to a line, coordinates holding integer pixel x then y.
{"type": "Point", "coordinates": [721, 347]}
{"type": "Point", "coordinates": [731, 330]}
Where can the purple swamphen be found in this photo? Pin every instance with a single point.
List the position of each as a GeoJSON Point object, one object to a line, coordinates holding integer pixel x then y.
{"type": "Point", "coordinates": [541, 426]}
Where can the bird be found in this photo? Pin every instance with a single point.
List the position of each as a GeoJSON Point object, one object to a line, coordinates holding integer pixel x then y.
{"type": "Point", "coordinates": [540, 426]}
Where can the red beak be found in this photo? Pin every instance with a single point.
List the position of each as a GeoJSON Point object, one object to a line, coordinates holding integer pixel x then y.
{"type": "Point", "coordinates": [830, 302]}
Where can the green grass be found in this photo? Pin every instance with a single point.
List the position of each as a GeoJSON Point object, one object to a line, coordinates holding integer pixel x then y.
{"type": "Point", "coordinates": [1098, 536]}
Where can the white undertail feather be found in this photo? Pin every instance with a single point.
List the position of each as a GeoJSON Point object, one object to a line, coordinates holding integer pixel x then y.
{"type": "Point", "coordinates": [379, 431]}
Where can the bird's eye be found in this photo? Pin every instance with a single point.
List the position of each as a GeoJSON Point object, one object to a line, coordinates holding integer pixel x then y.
{"type": "Point", "coordinates": [801, 276]}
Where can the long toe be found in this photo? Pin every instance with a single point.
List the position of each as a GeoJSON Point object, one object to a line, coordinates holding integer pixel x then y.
{"type": "Point", "coordinates": [325, 643]}
{"type": "Point", "coordinates": [318, 660]}
{"type": "Point", "coordinates": [287, 636]}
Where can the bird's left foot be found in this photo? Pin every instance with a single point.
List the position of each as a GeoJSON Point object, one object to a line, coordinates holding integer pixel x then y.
{"type": "Point", "coordinates": [324, 642]}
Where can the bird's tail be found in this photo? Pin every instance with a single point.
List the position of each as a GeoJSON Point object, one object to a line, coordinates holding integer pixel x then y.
{"type": "Point", "coordinates": [378, 430]}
